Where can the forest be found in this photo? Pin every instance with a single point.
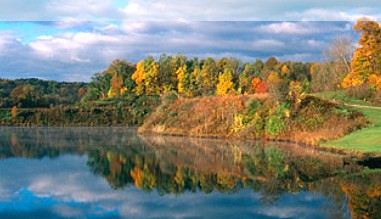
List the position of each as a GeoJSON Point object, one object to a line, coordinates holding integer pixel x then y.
{"type": "Point", "coordinates": [127, 92]}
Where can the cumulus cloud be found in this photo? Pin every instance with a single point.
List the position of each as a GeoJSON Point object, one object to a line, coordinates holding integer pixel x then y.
{"type": "Point", "coordinates": [75, 51]}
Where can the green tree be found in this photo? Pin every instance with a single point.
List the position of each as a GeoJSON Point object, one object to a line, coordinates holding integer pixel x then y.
{"type": "Point", "coordinates": [209, 74]}
{"type": "Point", "coordinates": [98, 87]}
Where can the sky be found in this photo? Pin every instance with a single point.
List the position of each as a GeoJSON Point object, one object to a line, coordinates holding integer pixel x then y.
{"type": "Point", "coordinates": [70, 40]}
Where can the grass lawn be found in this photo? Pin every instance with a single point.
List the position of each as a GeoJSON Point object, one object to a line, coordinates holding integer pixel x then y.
{"type": "Point", "coordinates": [364, 140]}
{"type": "Point", "coordinates": [340, 97]}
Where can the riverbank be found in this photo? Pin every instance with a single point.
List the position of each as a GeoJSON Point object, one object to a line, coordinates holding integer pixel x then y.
{"type": "Point", "coordinates": [366, 140]}
{"type": "Point", "coordinates": [254, 117]}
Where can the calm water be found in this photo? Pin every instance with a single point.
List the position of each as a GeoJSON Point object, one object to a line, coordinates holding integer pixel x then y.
{"type": "Point", "coordinates": [113, 173]}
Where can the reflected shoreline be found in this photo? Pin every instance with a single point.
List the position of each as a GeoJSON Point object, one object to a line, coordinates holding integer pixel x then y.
{"type": "Point", "coordinates": [176, 165]}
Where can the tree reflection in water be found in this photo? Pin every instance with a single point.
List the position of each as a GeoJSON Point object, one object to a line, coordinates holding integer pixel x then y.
{"type": "Point", "coordinates": [175, 165]}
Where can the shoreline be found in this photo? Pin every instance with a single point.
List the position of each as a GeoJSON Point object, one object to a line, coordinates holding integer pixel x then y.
{"type": "Point", "coordinates": [350, 154]}
{"type": "Point", "coordinates": [317, 147]}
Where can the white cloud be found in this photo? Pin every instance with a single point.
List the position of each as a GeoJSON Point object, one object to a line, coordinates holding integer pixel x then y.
{"type": "Point", "coordinates": [288, 28]}
{"type": "Point", "coordinates": [317, 14]}
{"type": "Point", "coordinates": [249, 10]}
{"type": "Point", "coordinates": [196, 10]}
{"type": "Point", "coordinates": [268, 45]}
{"type": "Point", "coordinates": [84, 10]}
{"type": "Point", "coordinates": [79, 52]}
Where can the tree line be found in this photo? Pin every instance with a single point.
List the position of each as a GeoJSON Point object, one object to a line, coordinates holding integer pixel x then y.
{"type": "Point", "coordinates": [358, 71]}
{"type": "Point", "coordinates": [31, 93]}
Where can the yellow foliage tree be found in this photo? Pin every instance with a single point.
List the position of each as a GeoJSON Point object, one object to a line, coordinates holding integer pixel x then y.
{"type": "Point", "coordinates": [138, 77]}
{"type": "Point", "coordinates": [274, 78]}
{"type": "Point", "coordinates": [181, 76]}
{"type": "Point", "coordinates": [285, 70]}
{"type": "Point", "coordinates": [150, 80]}
{"type": "Point", "coordinates": [375, 81]}
{"type": "Point", "coordinates": [225, 84]}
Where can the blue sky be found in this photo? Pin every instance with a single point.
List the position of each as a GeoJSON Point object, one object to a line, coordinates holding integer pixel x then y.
{"type": "Point", "coordinates": [70, 40]}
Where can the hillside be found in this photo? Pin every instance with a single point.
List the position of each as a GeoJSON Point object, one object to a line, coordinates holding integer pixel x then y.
{"type": "Point", "coordinates": [253, 116]}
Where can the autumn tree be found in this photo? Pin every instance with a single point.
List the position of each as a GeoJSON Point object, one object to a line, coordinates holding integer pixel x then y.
{"type": "Point", "coordinates": [196, 91]}
{"type": "Point", "coordinates": [321, 77]}
{"type": "Point", "coordinates": [225, 83]}
{"type": "Point", "coordinates": [366, 61]}
{"type": "Point", "coordinates": [25, 95]}
{"type": "Point", "coordinates": [138, 77]}
{"type": "Point", "coordinates": [245, 79]}
{"type": "Point", "coordinates": [177, 62]}
{"type": "Point", "coordinates": [165, 73]}
{"type": "Point", "coordinates": [209, 74]}
{"type": "Point", "coordinates": [14, 111]}
{"type": "Point", "coordinates": [285, 70]}
{"type": "Point", "coordinates": [278, 87]}
{"type": "Point", "coordinates": [151, 71]}
{"type": "Point", "coordinates": [328, 75]}
{"type": "Point", "coordinates": [271, 65]}
{"type": "Point", "coordinates": [182, 78]}
{"type": "Point", "coordinates": [255, 82]}
{"type": "Point", "coordinates": [121, 72]}
{"type": "Point", "coordinates": [261, 88]}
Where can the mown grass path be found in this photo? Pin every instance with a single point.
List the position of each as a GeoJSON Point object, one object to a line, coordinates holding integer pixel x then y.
{"type": "Point", "coordinates": [366, 140]}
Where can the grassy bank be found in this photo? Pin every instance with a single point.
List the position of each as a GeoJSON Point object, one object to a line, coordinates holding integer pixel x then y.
{"type": "Point", "coordinates": [366, 140]}
{"type": "Point", "coordinates": [309, 121]}
{"type": "Point", "coordinates": [340, 97]}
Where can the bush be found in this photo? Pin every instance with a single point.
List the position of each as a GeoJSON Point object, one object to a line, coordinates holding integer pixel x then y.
{"type": "Point", "coordinates": [251, 106]}
{"type": "Point", "coordinates": [376, 97]}
{"type": "Point", "coordinates": [278, 91]}
{"type": "Point", "coordinates": [169, 98]}
{"type": "Point", "coordinates": [276, 123]}
{"type": "Point", "coordinates": [360, 91]}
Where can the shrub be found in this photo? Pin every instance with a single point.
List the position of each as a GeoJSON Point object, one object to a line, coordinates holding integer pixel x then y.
{"type": "Point", "coordinates": [251, 106]}
{"type": "Point", "coordinates": [361, 91]}
{"type": "Point", "coordinates": [169, 98]}
{"type": "Point", "coordinates": [278, 91]}
{"type": "Point", "coordinates": [276, 123]}
{"type": "Point", "coordinates": [376, 97]}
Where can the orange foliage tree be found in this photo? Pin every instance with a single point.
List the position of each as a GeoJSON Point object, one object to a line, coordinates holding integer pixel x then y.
{"type": "Point", "coordinates": [254, 83]}
{"type": "Point", "coordinates": [366, 61]}
{"type": "Point", "coordinates": [261, 88]}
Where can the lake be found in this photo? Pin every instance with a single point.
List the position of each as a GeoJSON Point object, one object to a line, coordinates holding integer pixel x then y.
{"type": "Point", "coordinates": [115, 173]}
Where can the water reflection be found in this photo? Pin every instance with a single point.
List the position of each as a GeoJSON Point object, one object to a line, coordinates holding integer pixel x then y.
{"type": "Point", "coordinates": [188, 169]}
